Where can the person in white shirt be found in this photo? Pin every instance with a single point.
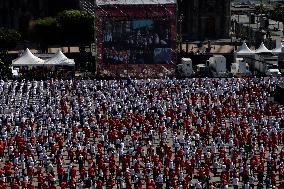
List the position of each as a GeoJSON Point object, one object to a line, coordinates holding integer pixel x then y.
{"type": "Point", "coordinates": [160, 181]}
{"type": "Point", "coordinates": [171, 165]}
{"type": "Point", "coordinates": [198, 122]}
{"type": "Point", "coordinates": [246, 186]}
{"type": "Point", "coordinates": [235, 182]}
{"type": "Point", "coordinates": [224, 167]}
{"type": "Point", "coordinates": [198, 184]}
{"type": "Point", "coordinates": [122, 185]}
{"type": "Point", "coordinates": [23, 167]}
{"type": "Point", "coordinates": [251, 181]}
{"type": "Point", "coordinates": [177, 146]}
{"type": "Point", "coordinates": [94, 185]}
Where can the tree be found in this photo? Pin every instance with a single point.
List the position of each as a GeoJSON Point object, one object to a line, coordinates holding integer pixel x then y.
{"type": "Point", "coordinates": [8, 39]}
{"type": "Point", "coordinates": [45, 31]}
{"type": "Point", "coordinates": [278, 13]}
{"type": "Point", "coordinates": [76, 27]}
{"type": "Point", "coordinates": [179, 42]}
{"type": "Point", "coordinates": [260, 9]}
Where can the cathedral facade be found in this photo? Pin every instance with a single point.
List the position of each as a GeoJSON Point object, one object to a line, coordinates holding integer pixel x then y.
{"type": "Point", "coordinates": [205, 19]}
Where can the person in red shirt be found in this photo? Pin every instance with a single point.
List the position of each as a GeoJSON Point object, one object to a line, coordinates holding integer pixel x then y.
{"type": "Point", "coordinates": [31, 185]}
{"type": "Point", "coordinates": [72, 183]}
{"type": "Point", "coordinates": [40, 180]}
{"type": "Point", "coordinates": [99, 184]}
{"type": "Point", "coordinates": [111, 183]}
{"type": "Point", "coordinates": [60, 172]}
{"type": "Point", "coordinates": [3, 185]}
{"type": "Point", "coordinates": [30, 171]}
{"type": "Point", "coordinates": [24, 184]}
{"type": "Point", "coordinates": [281, 171]}
{"type": "Point", "coordinates": [71, 155]}
{"type": "Point", "coordinates": [273, 179]}
{"type": "Point", "coordinates": [52, 186]}
{"type": "Point", "coordinates": [281, 185]}
{"type": "Point", "coordinates": [73, 172]}
{"type": "Point", "coordinates": [15, 184]}
{"type": "Point", "coordinates": [63, 184]}
{"type": "Point", "coordinates": [139, 185]}
{"type": "Point", "coordinates": [82, 172]}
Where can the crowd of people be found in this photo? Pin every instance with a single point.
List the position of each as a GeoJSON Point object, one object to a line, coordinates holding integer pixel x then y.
{"type": "Point", "coordinates": [141, 134]}
{"type": "Point", "coordinates": [45, 73]}
{"type": "Point", "coordinates": [113, 56]}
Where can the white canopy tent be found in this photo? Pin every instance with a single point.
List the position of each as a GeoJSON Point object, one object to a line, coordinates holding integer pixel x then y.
{"type": "Point", "coordinates": [59, 59]}
{"type": "Point", "coordinates": [278, 48]}
{"type": "Point", "coordinates": [262, 49]}
{"type": "Point", "coordinates": [244, 50]}
{"type": "Point", "coordinates": [27, 59]}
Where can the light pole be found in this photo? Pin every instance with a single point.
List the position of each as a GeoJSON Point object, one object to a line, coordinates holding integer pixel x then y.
{"type": "Point", "coordinates": [180, 20]}
{"type": "Point", "coordinates": [95, 40]}
{"type": "Point", "coordinates": [231, 36]}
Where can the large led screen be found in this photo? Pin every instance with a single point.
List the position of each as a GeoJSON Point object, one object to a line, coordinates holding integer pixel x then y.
{"type": "Point", "coordinates": [144, 41]}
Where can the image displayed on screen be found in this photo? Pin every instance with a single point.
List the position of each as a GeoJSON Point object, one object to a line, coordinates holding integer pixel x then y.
{"type": "Point", "coordinates": [136, 42]}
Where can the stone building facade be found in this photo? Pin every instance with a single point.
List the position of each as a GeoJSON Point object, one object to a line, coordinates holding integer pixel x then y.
{"type": "Point", "coordinates": [205, 19]}
{"type": "Point", "coordinates": [18, 13]}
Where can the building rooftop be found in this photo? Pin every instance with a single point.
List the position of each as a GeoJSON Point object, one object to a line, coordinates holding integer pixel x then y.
{"type": "Point", "coordinates": [275, 28]}
{"type": "Point", "coordinates": [215, 49]}
{"type": "Point", "coordinates": [134, 2]}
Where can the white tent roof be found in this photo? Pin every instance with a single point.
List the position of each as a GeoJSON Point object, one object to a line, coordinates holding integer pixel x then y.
{"type": "Point", "coordinates": [244, 50]}
{"type": "Point", "coordinates": [60, 59]}
{"type": "Point", "coordinates": [262, 49]}
{"type": "Point", "coordinates": [278, 48]}
{"type": "Point", "coordinates": [134, 2]}
{"type": "Point", "coordinates": [27, 58]}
